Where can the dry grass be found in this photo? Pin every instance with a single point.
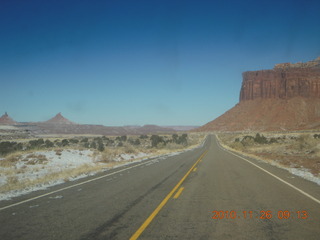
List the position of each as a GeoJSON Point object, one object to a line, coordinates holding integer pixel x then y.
{"type": "Point", "coordinates": [13, 182]}
{"type": "Point", "coordinates": [9, 162]}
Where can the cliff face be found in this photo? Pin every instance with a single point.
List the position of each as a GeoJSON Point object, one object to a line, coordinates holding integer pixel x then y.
{"type": "Point", "coordinates": [284, 98]}
{"type": "Point", "coordinates": [281, 83]}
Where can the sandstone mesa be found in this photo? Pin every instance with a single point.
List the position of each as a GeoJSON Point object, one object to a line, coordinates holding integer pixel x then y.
{"type": "Point", "coordinates": [284, 98]}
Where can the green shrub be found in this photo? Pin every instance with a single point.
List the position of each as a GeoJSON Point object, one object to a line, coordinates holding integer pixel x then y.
{"type": "Point", "coordinates": [93, 145]}
{"type": "Point", "coordinates": [49, 144]}
{"type": "Point", "coordinates": [98, 140]}
{"type": "Point", "coordinates": [123, 138]}
{"type": "Point", "coordinates": [74, 140]}
{"type": "Point", "coordinates": [137, 142]}
{"type": "Point", "coordinates": [110, 142]}
{"type": "Point", "coordinates": [260, 139]}
{"type": "Point", "coordinates": [134, 141]}
{"type": "Point", "coordinates": [100, 147]}
{"type": "Point", "coordinates": [155, 140]}
{"type": "Point", "coordinates": [36, 143]}
{"type": "Point", "coordinates": [86, 145]}
{"type": "Point", "coordinates": [105, 138]}
{"type": "Point", "coordinates": [175, 138]}
{"type": "Point", "coordinates": [9, 147]}
{"type": "Point", "coordinates": [183, 139]}
{"type": "Point", "coordinates": [65, 142]}
{"type": "Point", "coordinates": [143, 137]}
{"type": "Point", "coordinates": [316, 136]}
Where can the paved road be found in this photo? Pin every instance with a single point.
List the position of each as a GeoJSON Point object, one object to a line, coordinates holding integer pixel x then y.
{"type": "Point", "coordinates": [172, 198]}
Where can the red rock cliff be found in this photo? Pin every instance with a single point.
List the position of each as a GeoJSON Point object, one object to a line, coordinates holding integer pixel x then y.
{"type": "Point", "coordinates": [284, 81]}
{"type": "Point", "coordinates": [284, 98]}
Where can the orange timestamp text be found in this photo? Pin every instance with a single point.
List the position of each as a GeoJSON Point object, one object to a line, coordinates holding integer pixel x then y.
{"type": "Point", "coordinates": [281, 214]}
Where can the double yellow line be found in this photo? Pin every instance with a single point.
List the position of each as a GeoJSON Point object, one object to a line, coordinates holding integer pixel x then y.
{"type": "Point", "coordinates": [164, 201]}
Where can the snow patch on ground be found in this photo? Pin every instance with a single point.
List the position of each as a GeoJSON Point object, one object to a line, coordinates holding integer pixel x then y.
{"type": "Point", "coordinates": [300, 172]}
{"type": "Point", "coordinates": [304, 173]}
{"type": "Point", "coordinates": [36, 165]}
{"type": "Point", "coordinates": [29, 167]}
{"type": "Point", "coordinates": [56, 162]}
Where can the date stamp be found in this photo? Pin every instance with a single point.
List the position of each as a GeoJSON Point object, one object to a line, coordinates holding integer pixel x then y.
{"type": "Point", "coordinates": [268, 214]}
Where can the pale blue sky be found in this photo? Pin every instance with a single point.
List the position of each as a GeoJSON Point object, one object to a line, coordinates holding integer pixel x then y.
{"type": "Point", "coordinates": [143, 62]}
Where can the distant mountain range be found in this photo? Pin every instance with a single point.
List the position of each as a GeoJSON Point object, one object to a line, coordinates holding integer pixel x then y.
{"type": "Point", "coordinates": [61, 125]}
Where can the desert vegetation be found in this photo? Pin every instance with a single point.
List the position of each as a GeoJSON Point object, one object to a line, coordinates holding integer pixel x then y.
{"type": "Point", "coordinates": [27, 163]}
{"type": "Point", "coordinates": [174, 141]}
{"type": "Point", "coordinates": [300, 151]}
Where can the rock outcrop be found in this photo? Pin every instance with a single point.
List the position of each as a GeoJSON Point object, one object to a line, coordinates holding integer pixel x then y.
{"type": "Point", "coordinates": [284, 98]}
{"type": "Point", "coordinates": [284, 81]}
{"type": "Point", "coordinates": [5, 119]}
{"type": "Point", "coordinates": [59, 119]}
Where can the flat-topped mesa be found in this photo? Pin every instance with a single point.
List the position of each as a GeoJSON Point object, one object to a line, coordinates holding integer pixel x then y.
{"type": "Point", "coordinates": [311, 64]}
{"type": "Point", "coordinates": [284, 81]}
{"type": "Point", "coordinates": [285, 98]}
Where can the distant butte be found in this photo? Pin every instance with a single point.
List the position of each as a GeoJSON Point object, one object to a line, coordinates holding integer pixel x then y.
{"type": "Point", "coordinates": [284, 98]}
{"type": "Point", "coordinates": [59, 119]}
{"type": "Point", "coordinates": [5, 119]}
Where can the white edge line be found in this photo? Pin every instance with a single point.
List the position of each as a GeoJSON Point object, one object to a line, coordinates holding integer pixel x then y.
{"type": "Point", "coordinates": [280, 179]}
{"type": "Point", "coordinates": [72, 186]}
{"type": "Point", "coordinates": [91, 180]}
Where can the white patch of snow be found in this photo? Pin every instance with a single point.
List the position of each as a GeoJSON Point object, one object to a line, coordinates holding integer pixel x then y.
{"type": "Point", "coordinates": [28, 168]}
{"type": "Point", "coordinates": [59, 161]}
{"type": "Point", "coordinates": [69, 159]}
{"type": "Point", "coordinates": [57, 197]}
{"type": "Point", "coordinates": [304, 173]}
{"type": "Point", "coordinates": [33, 206]}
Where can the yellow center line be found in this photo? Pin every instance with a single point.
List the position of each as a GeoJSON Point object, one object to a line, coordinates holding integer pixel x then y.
{"type": "Point", "coordinates": [164, 201]}
{"type": "Point", "coordinates": [178, 193]}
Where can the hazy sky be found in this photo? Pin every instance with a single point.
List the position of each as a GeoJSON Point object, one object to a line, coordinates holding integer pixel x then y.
{"type": "Point", "coordinates": [143, 62]}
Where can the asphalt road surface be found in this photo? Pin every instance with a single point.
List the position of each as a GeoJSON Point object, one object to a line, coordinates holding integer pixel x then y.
{"type": "Point", "coordinates": [206, 193]}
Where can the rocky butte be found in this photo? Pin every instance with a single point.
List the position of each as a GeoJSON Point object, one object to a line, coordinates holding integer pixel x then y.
{"type": "Point", "coordinates": [59, 119]}
{"type": "Point", "coordinates": [286, 97]}
{"type": "Point", "coordinates": [5, 119]}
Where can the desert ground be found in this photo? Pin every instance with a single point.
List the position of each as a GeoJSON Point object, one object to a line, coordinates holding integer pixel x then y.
{"type": "Point", "coordinates": [30, 164]}
{"type": "Point", "coordinates": [298, 152]}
